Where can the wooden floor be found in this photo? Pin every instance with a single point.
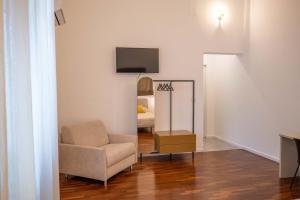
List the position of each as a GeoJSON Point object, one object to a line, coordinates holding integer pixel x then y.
{"type": "Point", "coordinates": [145, 142]}
{"type": "Point", "coordinates": [233, 174]}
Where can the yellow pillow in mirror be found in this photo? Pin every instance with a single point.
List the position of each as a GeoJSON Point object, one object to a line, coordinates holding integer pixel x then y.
{"type": "Point", "coordinates": [141, 109]}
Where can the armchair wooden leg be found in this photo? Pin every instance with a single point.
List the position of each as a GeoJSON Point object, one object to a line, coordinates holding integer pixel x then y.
{"type": "Point", "coordinates": [295, 176]}
{"type": "Point", "coordinates": [105, 184]}
{"type": "Point", "coordinates": [131, 167]}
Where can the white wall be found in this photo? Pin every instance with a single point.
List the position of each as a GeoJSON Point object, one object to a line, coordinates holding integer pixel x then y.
{"type": "Point", "coordinates": [88, 86]}
{"type": "Point", "coordinates": [182, 110]}
{"type": "Point", "coordinates": [57, 4]}
{"type": "Point", "coordinates": [256, 96]}
{"type": "Point", "coordinates": [236, 109]}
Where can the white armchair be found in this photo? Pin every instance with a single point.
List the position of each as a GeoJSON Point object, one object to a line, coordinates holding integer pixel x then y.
{"type": "Point", "coordinates": [87, 150]}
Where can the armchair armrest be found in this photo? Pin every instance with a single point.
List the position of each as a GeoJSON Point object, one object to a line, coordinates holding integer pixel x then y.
{"type": "Point", "coordinates": [82, 161]}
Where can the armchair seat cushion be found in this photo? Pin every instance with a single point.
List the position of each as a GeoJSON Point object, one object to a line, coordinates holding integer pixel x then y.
{"type": "Point", "coordinates": [118, 152]}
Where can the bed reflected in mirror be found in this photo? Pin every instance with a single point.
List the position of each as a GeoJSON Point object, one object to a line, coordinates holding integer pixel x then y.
{"type": "Point", "coordinates": [145, 116]}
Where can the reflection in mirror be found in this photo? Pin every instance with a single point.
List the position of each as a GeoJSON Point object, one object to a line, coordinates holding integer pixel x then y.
{"type": "Point", "coordinates": [145, 115]}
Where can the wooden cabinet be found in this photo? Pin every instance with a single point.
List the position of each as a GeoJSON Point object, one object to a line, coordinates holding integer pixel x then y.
{"type": "Point", "coordinates": [175, 141]}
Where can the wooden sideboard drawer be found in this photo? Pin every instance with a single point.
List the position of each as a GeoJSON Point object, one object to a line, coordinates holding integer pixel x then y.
{"type": "Point", "coordinates": [177, 148]}
{"type": "Point", "coordinates": [175, 141]}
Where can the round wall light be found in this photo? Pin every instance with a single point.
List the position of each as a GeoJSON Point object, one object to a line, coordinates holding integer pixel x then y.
{"type": "Point", "coordinates": [219, 12]}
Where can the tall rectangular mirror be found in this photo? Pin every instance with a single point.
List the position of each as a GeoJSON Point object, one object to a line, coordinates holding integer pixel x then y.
{"type": "Point", "coordinates": [145, 115]}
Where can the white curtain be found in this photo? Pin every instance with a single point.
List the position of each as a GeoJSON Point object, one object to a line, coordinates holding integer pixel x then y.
{"type": "Point", "coordinates": [3, 149]}
{"type": "Point", "coordinates": [31, 111]}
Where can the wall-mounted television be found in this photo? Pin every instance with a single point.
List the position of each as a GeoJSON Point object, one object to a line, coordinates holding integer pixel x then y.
{"type": "Point", "coordinates": [137, 60]}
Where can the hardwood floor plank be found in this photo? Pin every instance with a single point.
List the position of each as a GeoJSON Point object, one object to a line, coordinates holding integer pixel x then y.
{"type": "Point", "coordinates": [234, 174]}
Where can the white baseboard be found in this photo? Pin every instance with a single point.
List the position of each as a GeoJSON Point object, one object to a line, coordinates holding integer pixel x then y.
{"type": "Point", "coordinates": [210, 136]}
{"type": "Point", "coordinates": [259, 153]}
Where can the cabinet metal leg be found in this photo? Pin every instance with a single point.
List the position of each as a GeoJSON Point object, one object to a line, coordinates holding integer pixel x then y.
{"type": "Point", "coordinates": [295, 176]}
{"type": "Point", "coordinates": [141, 157]}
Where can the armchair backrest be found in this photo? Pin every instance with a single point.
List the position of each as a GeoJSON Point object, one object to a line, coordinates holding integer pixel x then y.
{"type": "Point", "coordinates": [87, 134]}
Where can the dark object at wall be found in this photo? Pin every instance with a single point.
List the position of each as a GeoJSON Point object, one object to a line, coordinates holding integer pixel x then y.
{"type": "Point", "coordinates": [59, 17]}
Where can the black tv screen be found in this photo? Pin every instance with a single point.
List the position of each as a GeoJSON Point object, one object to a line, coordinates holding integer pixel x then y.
{"type": "Point", "coordinates": [137, 60]}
